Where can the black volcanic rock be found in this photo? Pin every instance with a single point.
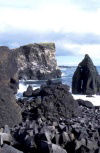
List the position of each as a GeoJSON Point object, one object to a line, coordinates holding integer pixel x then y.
{"type": "Point", "coordinates": [86, 79]}
{"type": "Point", "coordinates": [28, 92]}
{"type": "Point", "coordinates": [52, 99]}
{"type": "Point", "coordinates": [37, 61]}
{"type": "Point", "coordinates": [10, 112]}
{"type": "Point", "coordinates": [87, 104]}
{"type": "Point", "coordinates": [8, 69]}
{"type": "Point", "coordinates": [78, 134]}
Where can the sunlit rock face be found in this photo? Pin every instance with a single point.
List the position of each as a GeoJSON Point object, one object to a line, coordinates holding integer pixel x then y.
{"type": "Point", "coordinates": [37, 61]}
{"type": "Point", "coordinates": [86, 79]}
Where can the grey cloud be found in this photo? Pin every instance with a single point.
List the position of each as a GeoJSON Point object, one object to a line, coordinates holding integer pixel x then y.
{"type": "Point", "coordinates": [16, 38]}
{"type": "Point", "coordinates": [88, 5]}
{"type": "Point", "coordinates": [64, 52]}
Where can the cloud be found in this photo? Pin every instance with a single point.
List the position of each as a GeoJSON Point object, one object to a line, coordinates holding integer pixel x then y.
{"type": "Point", "coordinates": [67, 44]}
{"type": "Point", "coordinates": [56, 17]}
{"type": "Point", "coordinates": [88, 5]}
{"type": "Point", "coordinates": [73, 25]}
{"type": "Point", "coordinates": [81, 50]}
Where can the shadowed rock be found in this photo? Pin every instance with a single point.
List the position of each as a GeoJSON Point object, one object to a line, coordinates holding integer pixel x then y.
{"type": "Point", "coordinates": [52, 99]}
{"type": "Point", "coordinates": [10, 112]}
{"type": "Point", "coordinates": [86, 79]}
{"type": "Point", "coordinates": [8, 69]}
{"type": "Point", "coordinates": [87, 104]}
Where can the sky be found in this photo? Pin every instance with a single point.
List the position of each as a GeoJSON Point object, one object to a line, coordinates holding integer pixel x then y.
{"type": "Point", "coordinates": [74, 26]}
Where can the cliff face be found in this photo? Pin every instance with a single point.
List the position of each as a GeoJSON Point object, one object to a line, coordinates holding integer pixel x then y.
{"type": "Point", "coordinates": [8, 69]}
{"type": "Point", "coordinates": [37, 61]}
{"type": "Point", "coordinates": [10, 112]}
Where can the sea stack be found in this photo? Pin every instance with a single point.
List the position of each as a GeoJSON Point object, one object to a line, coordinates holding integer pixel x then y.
{"type": "Point", "coordinates": [37, 61]}
{"type": "Point", "coordinates": [86, 79]}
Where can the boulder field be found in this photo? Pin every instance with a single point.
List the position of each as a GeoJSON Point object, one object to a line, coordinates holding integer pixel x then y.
{"type": "Point", "coordinates": [53, 122]}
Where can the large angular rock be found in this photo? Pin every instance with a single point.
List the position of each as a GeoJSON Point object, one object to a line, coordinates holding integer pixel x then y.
{"type": "Point", "coordinates": [37, 61]}
{"type": "Point", "coordinates": [87, 104]}
{"type": "Point", "coordinates": [8, 69]}
{"type": "Point", "coordinates": [10, 112]}
{"type": "Point", "coordinates": [9, 149]}
{"type": "Point", "coordinates": [86, 79]}
{"type": "Point", "coordinates": [54, 99]}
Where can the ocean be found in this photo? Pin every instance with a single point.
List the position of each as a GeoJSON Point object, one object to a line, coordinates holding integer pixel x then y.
{"type": "Point", "coordinates": [67, 74]}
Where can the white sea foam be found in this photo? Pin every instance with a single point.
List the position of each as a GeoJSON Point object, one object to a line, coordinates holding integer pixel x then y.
{"type": "Point", "coordinates": [23, 87]}
{"type": "Point", "coordinates": [63, 74]}
{"type": "Point", "coordinates": [95, 99]}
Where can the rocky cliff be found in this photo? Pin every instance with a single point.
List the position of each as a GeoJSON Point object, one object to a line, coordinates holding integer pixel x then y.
{"type": "Point", "coordinates": [37, 61]}
{"type": "Point", "coordinates": [10, 112]}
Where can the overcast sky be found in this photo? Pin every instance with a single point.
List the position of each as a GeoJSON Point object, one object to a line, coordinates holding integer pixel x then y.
{"type": "Point", "coordinates": [74, 25]}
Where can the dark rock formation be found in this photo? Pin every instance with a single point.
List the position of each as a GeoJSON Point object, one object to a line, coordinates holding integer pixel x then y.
{"type": "Point", "coordinates": [87, 104]}
{"type": "Point", "coordinates": [52, 99]}
{"type": "Point", "coordinates": [28, 92]}
{"type": "Point", "coordinates": [37, 61]}
{"type": "Point", "coordinates": [8, 69]}
{"type": "Point", "coordinates": [10, 112]}
{"type": "Point", "coordinates": [80, 134]}
{"type": "Point", "coordinates": [86, 79]}
{"type": "Point", "coordinates": [52, 123]}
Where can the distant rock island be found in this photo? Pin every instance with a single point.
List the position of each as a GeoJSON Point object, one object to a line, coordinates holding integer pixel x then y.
{"type": "Point", "coordinates": [37, 61]}
{"type": "Point", "coordinates": [65, 66]}
{"type": "Point", "coordinates": [86, 79]}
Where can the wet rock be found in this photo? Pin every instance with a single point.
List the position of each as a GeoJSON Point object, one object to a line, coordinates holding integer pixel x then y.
{"type": "Point", "coordinates": [87, 104]}
{"type": "Point", "coordinates": [28, 92]}
{"type": "Point", "coordinates": [53, 99]}
{"type": "Point", "coordinates": [86, 79]}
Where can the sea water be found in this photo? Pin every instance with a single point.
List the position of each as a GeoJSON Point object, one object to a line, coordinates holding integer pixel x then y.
{"type": "Point", "coordinates": [67, 74]}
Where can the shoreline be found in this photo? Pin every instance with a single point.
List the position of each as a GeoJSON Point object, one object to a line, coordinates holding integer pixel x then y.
{"type": "Point", "coordinates": [95, 99]}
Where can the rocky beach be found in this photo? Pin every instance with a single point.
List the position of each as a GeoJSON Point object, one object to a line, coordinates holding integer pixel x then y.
{"type": "Point", "coordinates": [47, 119]}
